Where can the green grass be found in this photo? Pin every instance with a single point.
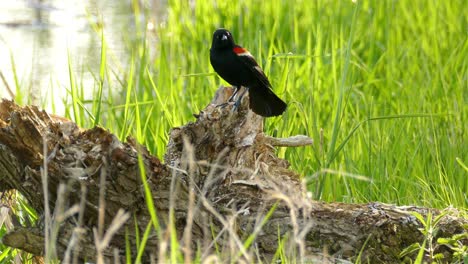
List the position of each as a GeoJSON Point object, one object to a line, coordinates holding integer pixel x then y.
{"type": "Point", "coordinates": [381, 87]}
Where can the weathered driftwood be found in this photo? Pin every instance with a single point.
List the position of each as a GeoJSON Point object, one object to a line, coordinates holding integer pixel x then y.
{"type": "Point", "coordinates": [219, 179]}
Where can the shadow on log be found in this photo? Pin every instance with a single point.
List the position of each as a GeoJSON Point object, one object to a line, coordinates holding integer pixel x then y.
{"type": "Point", "coordinates": [220, 184]}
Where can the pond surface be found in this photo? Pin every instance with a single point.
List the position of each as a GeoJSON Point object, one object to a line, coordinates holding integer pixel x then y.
{"type": "Point", "coordinates": [37, 36]}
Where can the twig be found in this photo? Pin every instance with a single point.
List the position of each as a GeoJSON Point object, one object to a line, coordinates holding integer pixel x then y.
{"type": "Point", "coordinates": [294, 141]}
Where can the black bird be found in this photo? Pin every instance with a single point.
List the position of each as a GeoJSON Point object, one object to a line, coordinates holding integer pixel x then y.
{"type": "Point", "coordinates": [238, 67]}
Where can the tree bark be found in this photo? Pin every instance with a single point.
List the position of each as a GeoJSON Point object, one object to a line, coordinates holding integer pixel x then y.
{"type": "Point", "coordinates": [220, 183]}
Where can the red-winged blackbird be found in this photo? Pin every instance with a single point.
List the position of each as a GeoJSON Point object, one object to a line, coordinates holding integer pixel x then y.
{"type": "Point", "coordinates": [238, 67]}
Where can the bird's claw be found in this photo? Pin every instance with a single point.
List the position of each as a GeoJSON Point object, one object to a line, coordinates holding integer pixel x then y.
{"type": "Point", "coordinates": [236, 105]}
{"type": "Point", "coordinates": [222, 105]}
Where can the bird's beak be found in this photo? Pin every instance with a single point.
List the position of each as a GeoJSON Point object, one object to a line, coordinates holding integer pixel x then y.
{"type": "Point", "coordinates": [224, 37]}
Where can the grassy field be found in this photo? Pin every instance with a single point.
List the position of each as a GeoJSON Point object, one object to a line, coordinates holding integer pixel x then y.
{"type": "Point", "coordinates": [381, 87]}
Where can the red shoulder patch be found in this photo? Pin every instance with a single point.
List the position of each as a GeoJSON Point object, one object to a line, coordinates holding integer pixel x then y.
{"type": "Point", "coordinates": [241, 51]}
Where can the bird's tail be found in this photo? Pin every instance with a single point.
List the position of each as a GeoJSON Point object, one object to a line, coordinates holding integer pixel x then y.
{"type": "Point", "coordinates": [264, 102]}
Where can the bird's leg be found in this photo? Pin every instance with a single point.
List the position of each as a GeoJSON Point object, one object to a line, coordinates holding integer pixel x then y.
{"type": "Point", "coordinates": [233, 94]}
{"type": "Point", "coordinates": [230, 97]}
{"type": "Point", "coordinates": [239, 100]}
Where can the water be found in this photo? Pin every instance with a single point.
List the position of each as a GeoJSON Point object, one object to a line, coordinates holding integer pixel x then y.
{"type": "Point", "coordinates": [39, 35]}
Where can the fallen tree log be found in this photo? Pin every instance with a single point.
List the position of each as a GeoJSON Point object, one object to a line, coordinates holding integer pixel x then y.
{"type": "Point", "coordinates": [220, 184]}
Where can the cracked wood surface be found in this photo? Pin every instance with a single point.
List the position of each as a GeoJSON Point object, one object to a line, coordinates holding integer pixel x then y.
{"type": "Point", "coordinates": [220, 176]}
